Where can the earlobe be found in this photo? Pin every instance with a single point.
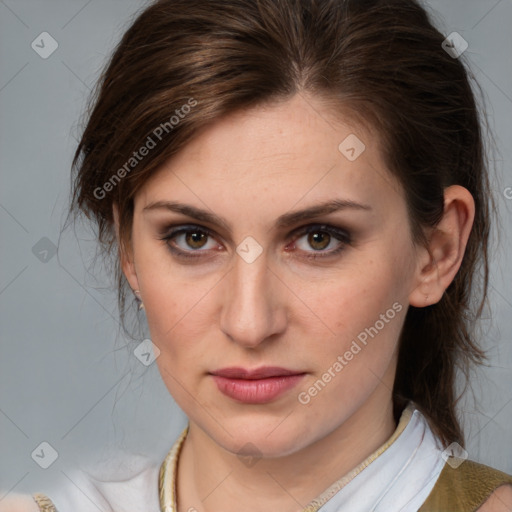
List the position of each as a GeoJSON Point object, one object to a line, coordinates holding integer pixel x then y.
{"type": "Point", "coordinates": [125, 254]}
{"type": "Point", "coordinates": [439, 263]}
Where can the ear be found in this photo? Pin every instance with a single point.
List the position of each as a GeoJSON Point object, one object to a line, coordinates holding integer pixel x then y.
{"type": "Point", "coordinates": [125, 254]}
{"type": "Point", "coordinates": [439, 263]}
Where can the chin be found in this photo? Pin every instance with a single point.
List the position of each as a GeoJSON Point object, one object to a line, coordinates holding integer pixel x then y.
{"type": "Point", "coordinates": [267, 437]}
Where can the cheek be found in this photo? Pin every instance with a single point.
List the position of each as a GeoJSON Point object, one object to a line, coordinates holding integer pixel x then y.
{"type": "Point", "coordinates": [364, 311]}
{"type": "Point", "coordinates": [365, 303]}
{"type": "Point", "coordinates": [177, 312]}
{"type": "Point", "coordinates": [174, 299]}
{"type": "Point", "coordinates": [179, 321]}
{"type": "Point", "coordinates": [357, 294]}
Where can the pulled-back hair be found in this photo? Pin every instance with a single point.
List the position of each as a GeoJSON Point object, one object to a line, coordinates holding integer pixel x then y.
{"type": "Point", "coordinates": [185, 63]}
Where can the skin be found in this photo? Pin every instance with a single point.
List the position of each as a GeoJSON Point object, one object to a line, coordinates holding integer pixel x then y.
{"type": "Point", "coordinates": [282, 309]}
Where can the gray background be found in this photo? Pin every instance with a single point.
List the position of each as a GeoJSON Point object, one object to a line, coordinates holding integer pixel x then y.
{"type": "Point", "coordinates": [66, 376]}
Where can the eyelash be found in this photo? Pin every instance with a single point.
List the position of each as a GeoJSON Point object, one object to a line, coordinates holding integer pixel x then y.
{"type": "Point", "coordinates": [339, 234]}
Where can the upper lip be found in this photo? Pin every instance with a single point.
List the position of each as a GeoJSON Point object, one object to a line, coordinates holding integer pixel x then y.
{"type": "Point", "coordinates": [263, 372]}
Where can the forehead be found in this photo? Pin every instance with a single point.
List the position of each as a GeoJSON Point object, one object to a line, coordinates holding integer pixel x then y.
{"type": "Point", "coordinates": [278, 156]}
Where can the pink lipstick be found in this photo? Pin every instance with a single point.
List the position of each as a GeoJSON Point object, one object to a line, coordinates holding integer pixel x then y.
{"type": "Point", "coordinates": [257, 386]}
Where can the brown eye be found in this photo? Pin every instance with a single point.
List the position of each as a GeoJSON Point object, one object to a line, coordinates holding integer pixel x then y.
{"type": "Point", "coordinates": [196, 239]}
{"type": "Point", "coordinates": [319, 240]}
{"type": "Point", "coordinates": [189, 241]}
{"type": "Point", "coordinates": [315, 239]}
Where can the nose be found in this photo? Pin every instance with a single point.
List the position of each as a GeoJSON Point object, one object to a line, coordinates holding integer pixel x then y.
{"type": "Point", "coordinates": [252, 303]}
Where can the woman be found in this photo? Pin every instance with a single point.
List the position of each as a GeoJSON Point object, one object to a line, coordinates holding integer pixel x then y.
{"type": "Point", "coordinates": [297, 196]}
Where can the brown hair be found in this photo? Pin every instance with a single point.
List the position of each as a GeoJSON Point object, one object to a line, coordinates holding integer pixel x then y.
{"type": "Point", "coordinates": [381, 58]}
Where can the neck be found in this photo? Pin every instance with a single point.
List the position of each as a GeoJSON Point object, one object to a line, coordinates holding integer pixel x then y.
{"type": "Point", "coordinates": [213, 479]}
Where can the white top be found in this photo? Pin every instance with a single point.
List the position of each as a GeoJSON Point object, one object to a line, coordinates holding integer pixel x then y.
{"type": "Point", "coordinates": [397, 477]}
{"type": "Point", "coordinates": [401, 477]}
{"type": "Point", "coordinates": [121, 485]}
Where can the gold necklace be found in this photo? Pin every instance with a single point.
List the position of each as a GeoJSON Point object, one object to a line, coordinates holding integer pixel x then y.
{"type": "Point", "coordinates": [167, 476]}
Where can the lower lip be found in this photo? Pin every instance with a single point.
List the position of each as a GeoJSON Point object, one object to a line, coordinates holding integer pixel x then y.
{"type": "Point", "coordinates": [257, 391]}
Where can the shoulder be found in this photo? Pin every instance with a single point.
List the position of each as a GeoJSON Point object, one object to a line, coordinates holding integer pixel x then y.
{"type": "Point", "coordinates": [499, 501]}
{"type": "Point", "coordinates": [122, 484]}
{"type": "Point", "coordinates": [18, 503]}
{"type": "Point", "coordinates": [129, 484]}
{"type": "Point", "coordinates": [469, 485]}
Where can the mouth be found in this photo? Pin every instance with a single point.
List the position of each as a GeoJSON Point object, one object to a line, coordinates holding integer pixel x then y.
{"type": "Point", "coordinates": [258, 386]}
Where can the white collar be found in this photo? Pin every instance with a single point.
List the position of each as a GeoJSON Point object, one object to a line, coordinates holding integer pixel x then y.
{"type": "Point", "coordinates": [399, 475]}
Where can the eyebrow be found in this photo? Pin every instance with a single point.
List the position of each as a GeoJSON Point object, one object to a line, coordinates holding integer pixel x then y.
{"type": "Point", "coordinates": [284, 221]}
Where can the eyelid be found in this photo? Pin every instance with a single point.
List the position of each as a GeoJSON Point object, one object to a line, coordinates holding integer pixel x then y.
{"type": "Point", "coordinates": [342, 233]}
{"type": "Point", "coordinates": [172, 229]}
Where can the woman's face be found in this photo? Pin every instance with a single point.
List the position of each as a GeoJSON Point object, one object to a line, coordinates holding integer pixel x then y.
{"type": "Point", "coordinates": [247, 287]}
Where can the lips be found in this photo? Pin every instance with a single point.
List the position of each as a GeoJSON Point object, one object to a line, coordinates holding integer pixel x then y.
{"type": "Point", "coordinates": [264, 372]}
{"type": "Point", "coordinates": [258, 386]}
